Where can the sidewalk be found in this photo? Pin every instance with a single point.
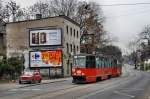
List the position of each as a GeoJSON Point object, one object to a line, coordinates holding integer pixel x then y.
{"type": "Point", "coordinates": [125, 70]}
{"type": "Point", "coordinates": [55, 80]}
{"type": "Point", "coordinates": [12, 85]}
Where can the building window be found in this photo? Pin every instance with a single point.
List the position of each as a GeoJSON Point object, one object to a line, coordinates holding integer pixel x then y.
{"type": "Point", "coordinates": [67, 29]}
{"type": "Point", "coordinates": [67, 48]}
{"type": "Point", "coordinates": [74, 49]}
{"type": "Point", "coordinates": [77, 48]}
{"type": "Point", "coordinates": [74, 32]}
{"type": "Point", "coordinates": [70, 47]}
{"type": "Point", "coordinates": [77, 34]}
{"type": "Point", "coordinates": [68, 68]}
{"type": "Point", "coordinates": [71, 31]}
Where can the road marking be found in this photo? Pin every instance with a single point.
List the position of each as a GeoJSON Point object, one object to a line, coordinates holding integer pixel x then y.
{"type": "Point", "coordinates": [24, 89]}
{"type": "Point", "coordinates": [147, 97]}
{"type": "Point", "coordinates": [109, 86]}
{"type": "Point", "coordinates": [91, 94]}
{"type": "Point", "coordinates": [130, 89]}
{"type": "Point", "coordinates": [35, 89]}
{"type": "Point", "coordinates": [62, 92]}
{"type": "Point", "coordinates": [98, 91]}
{"type": "Point", "coordinates": [124, 94]}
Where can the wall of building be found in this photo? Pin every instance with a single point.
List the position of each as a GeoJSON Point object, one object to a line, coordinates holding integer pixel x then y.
{"type": "Point", "coordinates": [2, 45]}
{"type": "Point", "coordinates": [18, 37]}
{"type": "Point", "coordinates": [2, 38]}
{"type": "Point", "coordinates": [18, 33]}
{"type": "Point", "coordinates": [70, 39]}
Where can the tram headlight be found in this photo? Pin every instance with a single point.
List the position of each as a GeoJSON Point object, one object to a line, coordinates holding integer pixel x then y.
{"type": "Point", "coordinates": [73, 70]}
{"type": "Point", "coordinates": [78, 71]}
{"type": "Point", "coordinates": [82, 74]}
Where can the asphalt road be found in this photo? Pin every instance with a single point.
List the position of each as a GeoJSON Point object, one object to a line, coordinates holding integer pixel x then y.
{"type": "Point", "coordinates": [131, 85]}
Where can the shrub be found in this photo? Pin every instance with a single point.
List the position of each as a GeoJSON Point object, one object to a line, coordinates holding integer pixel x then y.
{"type": "Point", "coordinates": [11, 67]}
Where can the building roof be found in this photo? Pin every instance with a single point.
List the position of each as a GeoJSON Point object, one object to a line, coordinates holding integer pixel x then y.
{"type": "Point", "coordinates": [61, 16]}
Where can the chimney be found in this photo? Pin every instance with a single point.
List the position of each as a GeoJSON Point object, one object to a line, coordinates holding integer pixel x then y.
{"type": "Point", "coordinates": [38, 16]}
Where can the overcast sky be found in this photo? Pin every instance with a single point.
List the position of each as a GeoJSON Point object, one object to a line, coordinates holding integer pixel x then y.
{"type": "Point", "coordinates": [124, 22]}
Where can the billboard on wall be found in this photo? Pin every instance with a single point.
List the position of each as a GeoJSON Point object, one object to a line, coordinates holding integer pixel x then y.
{"type": "Point", "coordinates": [45, 37]}
{"type": "Point", "coordinates": [52, 58]}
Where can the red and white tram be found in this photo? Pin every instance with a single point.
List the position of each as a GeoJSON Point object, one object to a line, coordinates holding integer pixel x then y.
{"type": "Point", "coordinates": [92, 68]}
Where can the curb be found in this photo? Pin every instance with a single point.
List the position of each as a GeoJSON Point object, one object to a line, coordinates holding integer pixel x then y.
{"type": "Point", "coordinates": [125, 74]}
{"type": "Point", "coordinates": [36, 84]}
{"type": "Point", "coordinates": [44, 83]}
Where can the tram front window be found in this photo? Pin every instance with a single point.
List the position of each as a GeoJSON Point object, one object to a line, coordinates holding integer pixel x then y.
{"type": "Point", "coordinates": [90, 62]}
{"type": "Point", "coordinates": [80, 61]}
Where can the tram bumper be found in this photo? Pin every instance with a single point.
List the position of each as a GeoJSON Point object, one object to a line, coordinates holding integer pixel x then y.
{"type": "Point", "coordinates": [79, 79]}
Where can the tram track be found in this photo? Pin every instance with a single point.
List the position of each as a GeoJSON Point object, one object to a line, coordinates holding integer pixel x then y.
{"type": "Point", "coordinates": [109, 84]}
{"type": "Point", "coordinates": [30, 85]}
{"type": "Point", "coordinates": [65, 87]}
{"type": "Point", "coordinates": [26, 86]}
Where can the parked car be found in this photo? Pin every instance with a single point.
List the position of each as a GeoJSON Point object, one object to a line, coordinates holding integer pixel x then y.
{"type": "Point", "coordinates": [30, 76]}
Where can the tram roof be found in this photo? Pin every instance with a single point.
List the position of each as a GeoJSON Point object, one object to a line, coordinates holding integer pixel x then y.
{"type": "Point", "coordinates": [101, 55]}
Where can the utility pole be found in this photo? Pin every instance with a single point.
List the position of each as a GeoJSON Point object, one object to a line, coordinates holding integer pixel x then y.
{"type": "Point", "coordinates": [135, 61]}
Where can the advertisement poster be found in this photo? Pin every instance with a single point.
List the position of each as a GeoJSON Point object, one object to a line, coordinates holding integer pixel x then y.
{"type": "Point", "coordinates": [45, 37]}
{"type": "Point", "coordinates": [51, 58]}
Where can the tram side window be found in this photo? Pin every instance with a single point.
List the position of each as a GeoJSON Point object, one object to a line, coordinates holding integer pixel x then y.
{"type": "Point", "coordinates": [98, 63]}
{"type": "Point", "coordinates": [119, 64]}
{"type": "Point", "coordinates": [112, 65]}
{"type": "Point", "coordinates": [90, 62]}
{"type": "Point", "coordinates": [106, 63]}
{"type": "Point", "coordinates": [109, 63]}
{"type": "Point", "coordinates": [101, 62]}
{"type": "Point", "coordinates": [115, 63]}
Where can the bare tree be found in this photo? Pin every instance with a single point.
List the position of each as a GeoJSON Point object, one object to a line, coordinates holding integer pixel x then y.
{"type": "Point", "coordinates": [39, 8]}
{"type": "Point", "coordinates": [111, 50]}
{"type": "Point", "coordinates": [144, 38]}
{"type": "Point", "coordinates": [88, 15]}
{"type": "Point", "coordinates": [1, 11]}
{"type": "Point", "coordinates": [91, 20]}
{"type": "Point", "coordinates": [140, 47]}
{"type": "Point", "coordinates": [145, 34]}
{"type": "Point", "coordinates": [12, 10]}
{"type": "Point", "coordinates": [133, 45]}
{"type": "Point", "coordinates": [23, 14]}
{"type": "Point", "coordinates": [63, 7]}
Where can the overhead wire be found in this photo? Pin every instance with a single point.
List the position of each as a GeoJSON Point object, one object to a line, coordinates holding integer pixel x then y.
{"type": "Point", "coordinates": [130, 14]}
{"type": "Point", "coordinates": [124, 4]}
